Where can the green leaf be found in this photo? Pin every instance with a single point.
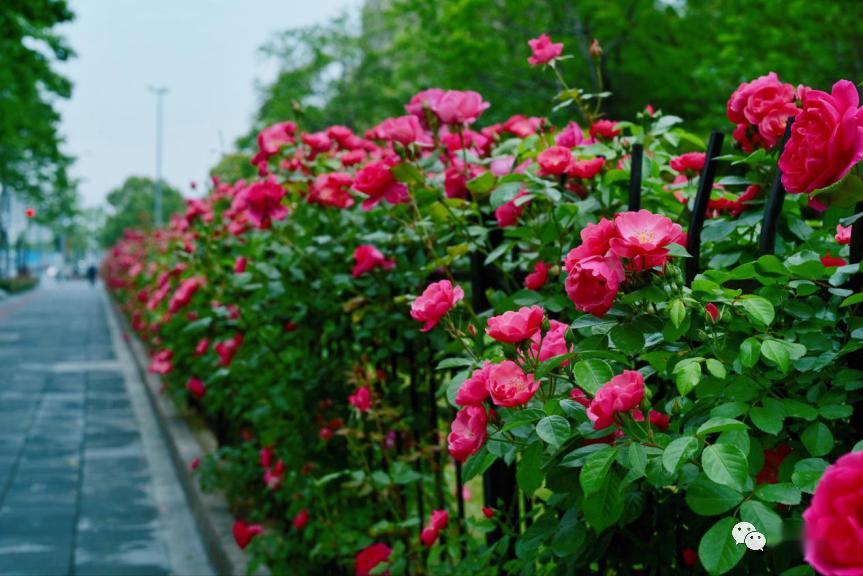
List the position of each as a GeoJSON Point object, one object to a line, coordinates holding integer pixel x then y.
{"type": "Point", "coordinates": [843, 194]}
{"type": "Point", "coordinates": [570, 537]}
{"type": "Point", "coordinates": [604, 507]}
{"type": "Point", "coordinates": [591, 374]}
{"type": "Point", "coordinates": [716, 368]}
{"type": "Point", "coordinates": [783, 493]}
{"type": "Point", "coordinates": [777, 353]}
{"type": "Point", "coordinates": [720, 425]}
{"type": "Point", "coordinates": [725, 464]}
{"type": "Point", "coordinates": [807, 473]}
{"type": "Point", "coordinates": [707, 498]}
{"type": "Point", "coordinates": [750, 350]}
{"type": "Point", "coordinates": [717, 550]}
{"type": "Point", "coordinates": [836, 411]}
{"type": "Point", "coordinates": [688, 377]}
{"type": "Point", "coordinates": [504, 193]}
{"type": "Point", "coordinates": [596, 469]}
{"type": "Point", "coordinates": [627, 338]}
{"type": "Point", "coordinates": [678, 452]}
{"type": "Point", "coordinates": [453, 363]}
{"type": "Point", "coordinates": [764, 519]}
{"type": "Point", "coordinates": [637, 458]}
{"type": "Point", "coordinates": [759, 309]}
{"type": "Point", "coordinates": [769, 417]}
{"type": "Point", "coordinates": [858, 447]}
{"type": "Point", "coordinates": [677, 312]}
{"type": "Point", "coordinates": [528, 472]}
{"type": "Point", "coordinates": [818, 439]}
{"type": "Point", "coordinates": [797, 409]}
{"type": "Point", "coordinates": [477, 464]}
{"type": "Point", "coordinates": [553, 429]}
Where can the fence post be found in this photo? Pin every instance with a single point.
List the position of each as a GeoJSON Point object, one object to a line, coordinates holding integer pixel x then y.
{"type": "Point", "coordinates": [767, 239]}
{"type": "Point", "coordinates": [635, 165]}
{"type": "Point", "coordinates": [499, 483]}
{"type": "Point", "coordinates": [699, 209]}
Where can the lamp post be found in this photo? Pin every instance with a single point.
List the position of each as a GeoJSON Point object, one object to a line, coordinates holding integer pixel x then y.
{"type": "Point", "coordinates": [159, 91]}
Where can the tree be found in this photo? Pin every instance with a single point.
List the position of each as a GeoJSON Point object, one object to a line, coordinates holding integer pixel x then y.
{"type": "Point", "coordinates": [131, 206]}
{"type": "Point", "coordinates": [684, 57]}
{"type": "Point", "coordinates": [31, 163]}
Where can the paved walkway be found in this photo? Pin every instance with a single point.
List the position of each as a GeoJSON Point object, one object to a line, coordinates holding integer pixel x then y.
{"type": "Point", "coordinates": [85, 481]}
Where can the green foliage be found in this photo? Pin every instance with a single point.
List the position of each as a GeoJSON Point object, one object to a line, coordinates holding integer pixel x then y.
{"type": "Point", "coordinates": [132, 207]}
{"type": "Point", "coordinates": [32, 164]}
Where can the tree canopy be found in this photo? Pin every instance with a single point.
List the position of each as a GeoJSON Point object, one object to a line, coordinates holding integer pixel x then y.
{"type": "Point", "coordinates": [684, 57]}
{"type": "Point", "coordinates": [32, 164]}
{"type": "Point", "coordinates": [131, 206]}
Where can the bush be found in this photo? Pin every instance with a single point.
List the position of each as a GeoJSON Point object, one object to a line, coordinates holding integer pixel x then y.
{"type": "Point", "coordinates": [18, 284]}
{"type": "Point", "coordinates": [495, 278]}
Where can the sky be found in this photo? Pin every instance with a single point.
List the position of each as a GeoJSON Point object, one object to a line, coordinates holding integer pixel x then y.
{"type": "Point", "coordinates": [206, 52]}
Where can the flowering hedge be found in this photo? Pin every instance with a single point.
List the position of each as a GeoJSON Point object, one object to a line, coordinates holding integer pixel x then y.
{"type": "Point", "coordinates": [377, 322]}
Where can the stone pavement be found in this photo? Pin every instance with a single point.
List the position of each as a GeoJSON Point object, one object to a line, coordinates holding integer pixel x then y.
{"type": "Point", "coordinates": [85, 481]}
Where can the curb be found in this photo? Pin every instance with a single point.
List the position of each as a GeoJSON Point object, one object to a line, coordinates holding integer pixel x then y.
{"type": "Point", "coordinates": [210, 509]}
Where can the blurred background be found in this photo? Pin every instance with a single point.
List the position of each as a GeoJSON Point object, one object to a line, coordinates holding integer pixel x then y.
{"type": "Point", "coordinates": [101, 100]}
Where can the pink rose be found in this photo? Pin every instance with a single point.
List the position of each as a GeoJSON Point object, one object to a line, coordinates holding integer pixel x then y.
{"type": "Point", "coordinates": [516, 326]}
{"type": "Point", "coordinates": [272, 138]}
{"type": "Point", "coordinates": [457, 107]}
{"type": "Point", "coordinates": [244, 533]}
{"type": "Point", "coordinates": [605, 129]}
{"type": "Point", "coordinates": [586, 169]}
{"type": "Point", "coordinates": [301, 519]}
{"type": "Point", "coordinates": [437, 523]}
{"type": "Point", "coordinates": [712, 311]}
{"type": "Point", "coordinates": [474, 390]}
{"type": "Point", "coordinates": [376, 181]}
{"type": "Point", "coordinates": [427, 99]}
{"type": "Point", "coordinates": [554, 161]}
{"type": "Point", "coordinates": [826, 139]}
{"type": "Point", "coordinates": [361, 399]}
{"type": "Point", "coordinates": [829, 261]}
{"type": "Point", "coordinates": [196, 388]}
{"type": "Point", "coordinates": [161, 362]}
{"type": "Point", "coordinates": [332, 189]}
{"type": "Point", "coordinates": [368, 558]}
{"type": "Point", "coordinates": [544, 50]}
{"type": "Point", "coordinates": [240, 264]}
{"type": "Point", "coordinates": [183, 295]}
{"type": "Point", "coordinates": [843, 234]}
{"type": "Point", "coordinates": [571, 136]}
{"type": "Point", "coordinates": [263, 203]}
{"type": "Point", "coordinates": [436, 300]}
{"type": "Point", "coordinates": [644, 236]}
{"type": "Point", "coordinates": [764, 103]}
{"type": "Point", "coordinates": [509, 213]}
{"type": "Point", "coordinates": [595, 241]}
{"type": "Point", "coordinates": [553, 342]}
{"type": "Point", "coordinates": [621, 394]}
{"type": "Point", "coordinates": [522, 126]}
{"type": "Point", "coordinates": [317, 141]}
{"type": "Point", "coordinates": [592, 283]}
{"type": "Point", "coordinates": [509, 386]}
{"type": "Point", "coordinates": [467, 433]}
{"type": "Point", "coordinates": [538, 278]}
{"type": "Point", "coordinates": [228, 348]}
{"type": "Point", "coordinates": [833, 528]}
{"type": "Point", "coordinates": [405, 130]}
{"type": "Point", "coordinates": [367, 258]}
{"type": "Point", "coordinates": [688, 163]}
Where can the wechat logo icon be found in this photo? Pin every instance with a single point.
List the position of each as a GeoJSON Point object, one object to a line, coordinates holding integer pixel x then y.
{"type": "Point", "coordinates": [745, 533]}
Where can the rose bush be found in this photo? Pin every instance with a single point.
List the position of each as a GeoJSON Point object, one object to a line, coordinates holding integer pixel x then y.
{"type": "Point", "coordinates": [379, 320]}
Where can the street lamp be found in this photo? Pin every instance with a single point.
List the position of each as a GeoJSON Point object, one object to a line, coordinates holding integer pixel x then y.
{"type": "Point", "coordinates": [157, 208]}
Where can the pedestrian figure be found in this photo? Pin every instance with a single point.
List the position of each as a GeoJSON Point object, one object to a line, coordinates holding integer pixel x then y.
{"type": "Point", "coordinates": [91, 274]}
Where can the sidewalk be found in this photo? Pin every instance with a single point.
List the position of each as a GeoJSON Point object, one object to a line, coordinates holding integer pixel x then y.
{"type": "Point", "coordinates": [86, 485]}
